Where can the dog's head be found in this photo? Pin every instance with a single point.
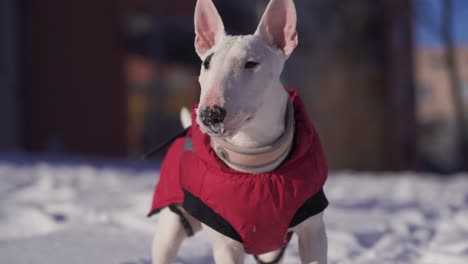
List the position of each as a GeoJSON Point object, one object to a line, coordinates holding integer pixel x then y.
{"type": "Point", "coordinates": [238, 71]}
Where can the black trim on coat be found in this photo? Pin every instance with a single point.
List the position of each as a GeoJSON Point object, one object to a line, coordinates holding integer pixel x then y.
{"type": "Point", "coordinates": [166, 144]}
{"type": "Point", "coordinates": [313, 206]}
{"type": "Point", "coordinates": [198, 209]}
{"type": "Point", "coordinates": [183, 220]}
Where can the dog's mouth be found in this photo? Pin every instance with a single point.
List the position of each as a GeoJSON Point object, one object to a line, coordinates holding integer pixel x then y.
{"type": "Point", "coordinates": [226, 129]}
{"type": "Point", "coordinates": [217, 130]}
{"type": "Point", "coordinates": [223, 134]}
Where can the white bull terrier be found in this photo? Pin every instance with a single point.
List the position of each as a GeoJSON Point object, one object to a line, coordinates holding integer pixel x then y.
{"type": "Point", "coordinates": [244, 105]}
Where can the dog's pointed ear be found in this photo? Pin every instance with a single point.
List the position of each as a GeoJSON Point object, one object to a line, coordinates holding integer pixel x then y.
{"type": "Point", "coordinates": [278, 26]}
{"type": "Point", "coordinates": [209, 28]}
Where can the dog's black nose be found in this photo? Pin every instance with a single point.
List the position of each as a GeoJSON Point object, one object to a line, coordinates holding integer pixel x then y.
{"type": "Point", "coordinates": [212, 116]}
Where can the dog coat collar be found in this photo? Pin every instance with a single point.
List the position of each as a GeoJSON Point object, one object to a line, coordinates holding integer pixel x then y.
{"type": "Point", "coordinates": [261, 158]}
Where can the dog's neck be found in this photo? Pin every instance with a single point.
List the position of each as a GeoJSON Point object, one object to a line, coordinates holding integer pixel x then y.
{"type": "Point", "coordinates": [269, 121]}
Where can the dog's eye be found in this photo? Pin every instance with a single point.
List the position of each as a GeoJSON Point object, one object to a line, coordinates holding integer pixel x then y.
{"type": "Point", "coordinates": [206, 63]}
{"type": "Point", "coordinates": [250, 64]}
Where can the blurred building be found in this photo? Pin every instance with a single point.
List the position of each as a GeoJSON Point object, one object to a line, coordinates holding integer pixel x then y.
{"type": "Point", "coordinates": [107, 78]}
{"type": "Point", "coordinates": [436, 112]}
{"type": "Point", "coordinates": [354, 68]}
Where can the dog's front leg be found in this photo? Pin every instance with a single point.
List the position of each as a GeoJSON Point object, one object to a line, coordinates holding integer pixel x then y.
{"type": "Point", "coordinates": [169, 235]}
{"type": "Point", "coordinates": [313, 243]}
{"type": "Point", "coordinates": [225, 249]}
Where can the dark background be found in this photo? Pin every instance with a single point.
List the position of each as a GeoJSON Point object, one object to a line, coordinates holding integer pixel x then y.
{"type": "Point", "coordinates": [106, 79]}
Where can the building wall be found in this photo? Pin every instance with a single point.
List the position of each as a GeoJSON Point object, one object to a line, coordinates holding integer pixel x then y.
{"type": "Point", "coordinates": [10, 104]}
{"type": "Point", "coordinates": [75, 90]}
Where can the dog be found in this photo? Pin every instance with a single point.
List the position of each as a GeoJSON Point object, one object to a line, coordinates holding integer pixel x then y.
{"type": "Point", "coordinates": [249, 127]}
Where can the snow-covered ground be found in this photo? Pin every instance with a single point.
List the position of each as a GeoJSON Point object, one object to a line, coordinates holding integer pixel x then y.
{"type": "Point", "coordinates": [75, 213]}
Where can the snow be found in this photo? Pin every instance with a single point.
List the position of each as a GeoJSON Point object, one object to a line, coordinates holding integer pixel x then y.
{"type": "Point", "coordinates": [58, 212]}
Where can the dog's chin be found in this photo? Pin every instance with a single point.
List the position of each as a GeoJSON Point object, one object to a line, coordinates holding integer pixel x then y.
{"type": "Point", "coordinates": [219, 133]}
{"type": "Point", "coordinates": [225, 130]}
{"type": "Point", "coordinates": [224, 134]}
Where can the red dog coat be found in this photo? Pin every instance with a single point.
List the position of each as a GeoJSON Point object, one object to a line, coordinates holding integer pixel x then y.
{"type": "Point", "coordinates": [256, 210]}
